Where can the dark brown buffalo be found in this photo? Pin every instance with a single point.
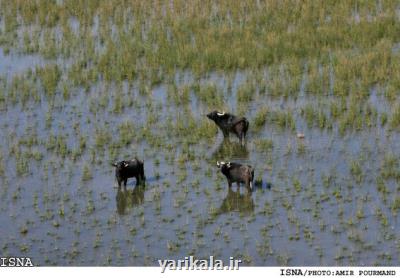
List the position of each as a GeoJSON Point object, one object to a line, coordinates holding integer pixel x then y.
{"type": "Point", "coordinates": [229, 123]}
{"type": "Point", "coordinates": [129, 169]}
{"type": "Point", "coordinates": [235, 172]}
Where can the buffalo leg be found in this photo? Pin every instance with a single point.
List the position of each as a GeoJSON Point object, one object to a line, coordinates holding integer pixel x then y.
{"type": "Point", "coordinates": [248, 184]}
{"type": "Point", "coordinates": [240, 130]}
{"type": "Point", "coordinates": [137, 180]}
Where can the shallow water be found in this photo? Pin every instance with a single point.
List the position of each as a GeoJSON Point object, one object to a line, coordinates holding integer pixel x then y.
{"type": "Point", "coordinates": [309, 207]}
{"type": "Point", "coordinates": [14, 63]}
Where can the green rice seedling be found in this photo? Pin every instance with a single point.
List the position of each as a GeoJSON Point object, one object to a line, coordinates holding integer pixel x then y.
{"type": "Point", "coordinates": [395, 205]}
{"type": "Point", "coordinates": [309, 114]}
{"type": "Point", "coordinates": [383, 119]}
{"type": "Point", "coordinates": [283, 259]}
{"type": "Point", "coordinates": [102, 137]}
{"type": "Point", "coordinates": [50, 76]}
{"type": "Point", "coordinates": [117, 103]}
{"type": "Point", "coordinates": [181, 96]}
{"type": "Point", "coordinates": [283, 119]}
{"type": "Point", "coordinates": [210, 94]}
{"type": "Point", "coordinates": [390, 167]}
{"type": "Point", "coordinates": [264, 145]}
{"type": "Point", "coordinates": [394, 120]}
{"type": "Point", "coordinates": [61, 211]}
{"type": "Point", "coordinates": [381, 186]}
{"type": "Point", "coordinates": [23, 230]}
{"type": "Point", "coordinates": [322, 120]}
{"type": "Point", "coordinates": [391, 92]}
{"type": "Point", "coordinates": [22, 166]}
{"type": "Point", "coordinates": [301, 148]}
{"type": "Point", "coordinates": [356, 171]}
{"type": "Point", "coordinates": [360, 214]}
{"type": "Point", "coordinates": [260, 118]}
{"type": "Point", "coordinates": [314, 80]}
{"type": "Point", "coordinates": [370, 116]}
{"type": "Point", "coordinates": [90, 204]}
{"type": "Point", "coordinates": [49, 119]}
{"type": "Point", "coordinates": [35, 154]}
{"type": "Point", "coordinates": [337, 193]}
{"type": "Point", "coordinates": [86, 173]}
{"type": "Point", "coordinates": [329, 179]}
{"type": "Point", "coordinates": [245, 92]}
{"type": "Point", "coordinates": [126, 132]}
{"type": "Point", "coordinates": [308, 234]}
{"type": "Point", "coordinates": [2, 97]}
{"type": "Point", "coordinates": [24, 248]}
{"type": "Point", "coordinates": [2, 166]}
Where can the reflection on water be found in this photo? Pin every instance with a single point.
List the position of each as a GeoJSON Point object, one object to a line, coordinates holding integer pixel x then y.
{"type": "Point", "coordinates": [238, 202]}
{"type": "Point", "coordinates": [127, 199]}
{"type": "Point", "coordinates": [230, 150]}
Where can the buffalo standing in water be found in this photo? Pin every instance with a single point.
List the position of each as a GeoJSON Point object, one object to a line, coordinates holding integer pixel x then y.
{"type": "Point", "coordinates": [128, 169]}
{"type": "Point", "coordinates": [230, 123]}
{"type": "Point", "coordinates": [235, 172]}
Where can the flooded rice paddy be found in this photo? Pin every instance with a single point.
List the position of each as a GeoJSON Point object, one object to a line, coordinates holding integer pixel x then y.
{"type": "Point", "coordinates": [330, 198]}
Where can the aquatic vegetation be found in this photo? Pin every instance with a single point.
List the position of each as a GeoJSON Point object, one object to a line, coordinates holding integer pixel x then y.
{"type": "Point", "coordinates": [86, 173]}
{"type": "Point", "coordinates": [83, 84]}
{"type": "Point", "coordinates": [264, 145]}
{"type": "Point", "coordinates": [260, 118]}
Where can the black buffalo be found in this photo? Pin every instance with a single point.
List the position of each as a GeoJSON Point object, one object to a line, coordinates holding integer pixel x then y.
{"type": "Point", "coordinates": [128, 169]}
{"type": "Point", "coordinates": [235, 172]}
{"type": "Point", "coordinates": [230, 123]}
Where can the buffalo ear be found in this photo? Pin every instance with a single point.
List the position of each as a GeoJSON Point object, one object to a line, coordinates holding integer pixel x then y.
{"type": "Point", "coordinates": [229, 164]}
{"type": "Point", "coordinates": [114, 164]}
{"type": "Point", "coordinates": [126, 164]}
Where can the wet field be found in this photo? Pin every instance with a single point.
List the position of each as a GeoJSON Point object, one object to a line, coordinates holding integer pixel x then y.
{"type": "Point", "coordinates": [69, 108]}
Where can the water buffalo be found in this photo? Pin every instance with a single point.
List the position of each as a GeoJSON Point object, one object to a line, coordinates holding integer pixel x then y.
{"type": "Point", "coordinates": [230, 123]}
{"type": "Point", "coordinates": [128, 169]}
{"type": "Point", "coordinates": [238, 173]}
